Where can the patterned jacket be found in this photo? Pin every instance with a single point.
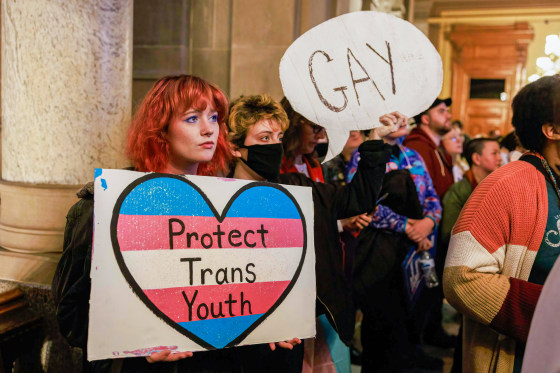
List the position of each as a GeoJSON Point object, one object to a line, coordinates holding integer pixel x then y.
{"type": "Point", "coordinates": [404, 158]}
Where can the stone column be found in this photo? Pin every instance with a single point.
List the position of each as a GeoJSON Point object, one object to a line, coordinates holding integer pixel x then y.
{"type": "Point", "coordinates": [66, 104]}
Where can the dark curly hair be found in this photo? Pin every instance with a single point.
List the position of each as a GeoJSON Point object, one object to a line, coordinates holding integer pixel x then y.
{"type": "Point", "coordinates": [536, 104]}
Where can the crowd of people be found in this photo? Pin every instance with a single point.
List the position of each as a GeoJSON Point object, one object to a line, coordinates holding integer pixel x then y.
{"type": "Point", "coordinates": [430, 188]}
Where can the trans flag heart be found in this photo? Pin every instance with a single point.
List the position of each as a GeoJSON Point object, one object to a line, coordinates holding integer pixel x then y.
{"type": "Point", "coordinates": [212, 276]}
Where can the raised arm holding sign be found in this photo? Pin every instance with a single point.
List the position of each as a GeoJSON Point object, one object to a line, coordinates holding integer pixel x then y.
{"type": "Point", "coordinates": [257, 124]}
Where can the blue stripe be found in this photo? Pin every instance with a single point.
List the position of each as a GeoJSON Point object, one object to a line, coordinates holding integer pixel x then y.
{"type": "Point", "coordinates": [340, 353]}
{"type": "Point", "coordinates": [220, 332]}
{"type": "Point", "coordinates": [165, 196]}
{"type": "Point", "coordinates": [263, 202]}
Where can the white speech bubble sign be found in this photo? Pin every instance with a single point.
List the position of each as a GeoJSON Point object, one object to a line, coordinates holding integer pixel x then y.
{"type": "Point", "coordinates": [348, 71]}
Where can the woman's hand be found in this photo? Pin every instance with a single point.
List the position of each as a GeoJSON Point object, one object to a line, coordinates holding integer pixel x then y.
{"type": "Point", "coordinates": [167, 356]}
{"type": "Point", "coordinates": [285, 344]}
{"type": "Point", "coordinates": [391, 122]}
{"type": "Point", "coordinates": [424, 245]}
{"type": "Point", "coordinates": [417, 230]}
{"type": "Point", "coordinates": [356, 223]}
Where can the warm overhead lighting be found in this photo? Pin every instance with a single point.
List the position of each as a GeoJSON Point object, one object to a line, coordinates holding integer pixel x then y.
{"type": "Point", "coordinates": [550, 64]}
{"type": "Point", "coordinates": [533, 77]}
{"type": "Point", "coordinates": [545, 63]}
{"type": "Point", "coordinates": [552, 45]}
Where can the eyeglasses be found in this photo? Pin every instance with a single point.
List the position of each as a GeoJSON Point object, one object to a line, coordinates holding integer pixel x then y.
{"type": "Point", "coordinates": [316, 128]}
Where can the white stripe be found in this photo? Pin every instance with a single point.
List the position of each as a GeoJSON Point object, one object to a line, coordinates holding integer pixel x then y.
{"type": "Point", "coordinates": [519, 262]}
{"type": "Point", "coordinates": [465, 250]}
{"type": "Point", "coordinates": [156, 269]}
{"type": "Point", "coordinates": [509, 260]}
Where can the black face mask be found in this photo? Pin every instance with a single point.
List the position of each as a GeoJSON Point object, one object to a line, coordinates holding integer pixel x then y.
{"type": "Point", "coordinates": [321, 149]}
{"type": "Point", "coordinates": [265, 160]}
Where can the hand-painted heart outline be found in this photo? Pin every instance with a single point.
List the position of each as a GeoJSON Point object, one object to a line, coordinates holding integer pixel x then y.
{"type": "Point", "coordinates": [219, 217]}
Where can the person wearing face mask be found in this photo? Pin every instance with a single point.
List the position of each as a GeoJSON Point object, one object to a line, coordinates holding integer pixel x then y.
{"type": "Point", "coordinates": [257, 125]}
{"type": "Point", "coordinates": [180, 129]}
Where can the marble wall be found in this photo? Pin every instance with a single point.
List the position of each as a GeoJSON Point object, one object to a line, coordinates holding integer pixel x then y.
{"type": "Point", "coordinates": [66, 88]}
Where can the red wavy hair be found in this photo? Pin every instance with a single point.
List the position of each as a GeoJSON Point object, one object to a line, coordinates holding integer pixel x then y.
{"type": "Point", "coordinates": [169, 97]}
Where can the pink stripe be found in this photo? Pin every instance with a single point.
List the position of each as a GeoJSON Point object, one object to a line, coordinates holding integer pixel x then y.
{"type": "Point", "coordinates": [260, 295]}
{"type": "Point", "coordinates": [147, 232]}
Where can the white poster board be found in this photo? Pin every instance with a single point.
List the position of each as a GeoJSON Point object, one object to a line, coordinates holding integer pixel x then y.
{"type": "Point", "coordinates": [348, 71]}
{"type": "Point", "coordinates": [194, 263]}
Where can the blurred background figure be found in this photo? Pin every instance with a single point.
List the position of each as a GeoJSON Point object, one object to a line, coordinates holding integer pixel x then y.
{"type": "Point", "coordinates": [495, 134]}
{"type": "Point", "coordinates": [431, 125]}
{"type": "Point", "coordinates": [335, 169]}
{"type": "Point", "coordinates": [452, 144]}
{"type": "Point", "coordinates": [511, 149]}
{"type": "Point", "coordinates": [483, 156]}
{"type": "Point", "coordinates": [458, 125]}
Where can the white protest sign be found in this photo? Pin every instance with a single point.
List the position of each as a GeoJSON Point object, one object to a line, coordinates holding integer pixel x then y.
{"type": "Point", "coordinates": [348, 71]}
{"type": "Point", "coordinates": [194, 263]}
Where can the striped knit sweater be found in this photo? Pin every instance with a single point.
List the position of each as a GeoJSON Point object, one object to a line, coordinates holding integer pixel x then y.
{"type": "Point", "coordinates": [491, 253]}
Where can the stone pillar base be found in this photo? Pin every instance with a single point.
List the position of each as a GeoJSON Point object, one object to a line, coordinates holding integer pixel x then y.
{"type": "Point", "coordinates": [33, 216]}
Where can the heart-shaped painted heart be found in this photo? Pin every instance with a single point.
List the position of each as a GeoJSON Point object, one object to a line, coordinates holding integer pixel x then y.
{"type": "Point", "coordinates": [213, 277]}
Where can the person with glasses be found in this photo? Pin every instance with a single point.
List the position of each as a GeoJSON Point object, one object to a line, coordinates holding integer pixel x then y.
{"type": "Point", "coordinates": [300, 141]}
{"type": "Point", "coordinates": [257, 125]}
{"type": "Point", "coordinates": [452, 144]}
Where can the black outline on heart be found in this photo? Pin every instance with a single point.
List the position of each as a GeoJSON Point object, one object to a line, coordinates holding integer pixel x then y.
{"type": "Point", "coordinates": [220, 217]}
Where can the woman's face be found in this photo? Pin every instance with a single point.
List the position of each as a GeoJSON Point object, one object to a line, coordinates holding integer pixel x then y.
{"type": "Point", "coordinates": [310, 135]}
{"type": "Point", "coordinates": [452, 142]}
{"type": "Point", "coordinates": [264, 132]}
{"type": "Point", "coordinates": [192, 138]}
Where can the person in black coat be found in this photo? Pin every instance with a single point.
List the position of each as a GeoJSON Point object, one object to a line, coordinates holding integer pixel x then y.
{"type": "Point", "coordinates": [257, 124]}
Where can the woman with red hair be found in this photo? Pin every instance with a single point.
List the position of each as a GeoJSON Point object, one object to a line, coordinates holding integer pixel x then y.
{"type": "Point", "coordinates": [179, 129]}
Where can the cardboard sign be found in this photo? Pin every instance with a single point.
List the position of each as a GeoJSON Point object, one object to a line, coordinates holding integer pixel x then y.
{"type": "Point", "coordinates": [348, 71]}
{"type": "Point", "coordinates": [194, 263]}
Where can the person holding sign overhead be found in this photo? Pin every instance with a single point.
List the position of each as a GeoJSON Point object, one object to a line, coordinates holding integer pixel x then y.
{"type": "Point", "coordinates": [180, 129]}
{"type": "Point", "coordinates": [406, 217]}
{"type": "Point", "coordinates": [257, 125]}
{"type": "Point", "coordinates": [300, 143]}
